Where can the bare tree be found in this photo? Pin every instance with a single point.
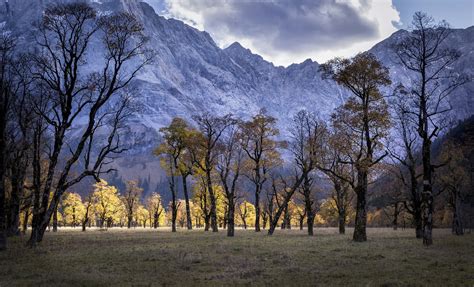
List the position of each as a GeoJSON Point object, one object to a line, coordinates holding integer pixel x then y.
{"type": "Point", "coordinates": [307, 132]}
{"type": "Point", "coordinates": [271, 193]}
{"type": "Point", "coordinates": [341, 176]}
{"type": "Point", "coordinates": [305, 146]}
{"type": "Point", "coordinates": [64, 38]}
{"type": "Point", "coordinates": [259, 145]}
{"type": "Point", "coordinates": [405, 154]}
{"type": "Point", "coordinates": [229, 165]}
{"type": "Point", "coordinates": [424, 53]}
{"type": "Point", "coordinates": [205, 152]}
{"type": "Point", "coordinates": [18, 139]}
{"type": "Point", "coordinates": [131, 199]}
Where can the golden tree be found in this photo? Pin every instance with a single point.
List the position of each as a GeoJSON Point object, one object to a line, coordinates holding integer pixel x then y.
{"type": "Point", "coordinates": [107, 204]}
{"type": "Point", "coordinates": [73, 209]}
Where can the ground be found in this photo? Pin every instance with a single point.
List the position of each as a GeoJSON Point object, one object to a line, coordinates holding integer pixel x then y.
{"type": "Point", "coordinates": [144, 257]}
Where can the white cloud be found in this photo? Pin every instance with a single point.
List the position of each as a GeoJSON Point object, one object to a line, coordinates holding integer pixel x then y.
{"type": "Point", "coordinates": [289, 31]}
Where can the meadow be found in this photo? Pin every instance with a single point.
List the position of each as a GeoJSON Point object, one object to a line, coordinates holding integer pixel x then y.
{"type": "Point", "coordinates": [144, 257]}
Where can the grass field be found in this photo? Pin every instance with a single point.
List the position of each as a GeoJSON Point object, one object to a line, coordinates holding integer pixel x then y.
{"type": "Point", "coordinates": [144, 257]}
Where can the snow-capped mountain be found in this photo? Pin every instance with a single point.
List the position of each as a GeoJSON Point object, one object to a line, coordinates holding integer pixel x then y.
{"type": "Point", "coordinates": [191, 74]}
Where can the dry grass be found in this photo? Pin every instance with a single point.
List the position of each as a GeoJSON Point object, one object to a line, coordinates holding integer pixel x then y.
{"type": "Point", "coordinates": [147, 257]}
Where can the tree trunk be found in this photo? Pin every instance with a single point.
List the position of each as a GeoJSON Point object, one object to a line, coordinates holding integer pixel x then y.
{"type": "Point", "coordinates": [35, 222]}
{"type": "Point", "coordinates": [55, 219]}
{"type": "Point", "coordinates": [174, 214]}
{"type": "Point", "coordinates": [257, 209]}
{"type": "Point", "coordinates": [231, 218]}
{"type": "Point", "coordinates": [155, 220]}
{"type": "Point", "coordinates": [174, 207]}
{"type": "Point", "coordinates": [308, 205]}
{"type": "Point", "coordinates": [284, 222]}
{"type": "Point", "coordinates": [457, 217]}
{"type": "Point", "coordinates": [189, 223]}
{"type": "Point", "coordinates": [301, 222]}
{"type": "Point", "coordinates": [274, 221]}
{"type": "Point", "coordinates": [287, 217]}
{"type": "Point", "coordinates": [129, 219]}
{"type": "Point", "coordinates": [342, 221]}
{"type": "Point", "coordinates": [13, 223]}
{"type": "Point", "coordinates": [416, 200]}
{"type": "Point", "coordinates": [212, 196]}
{"type": "Point", "coordinates": [206, 223]}
{"type": "Point", "coordinates": [264, 220]}
{"type": "Point", "coordinates": [310, 223]}
{"type": "Point", "coordinates": [18, 173]}
{"type": "Point", "coordinates": [417, 218]}
{"type": "Point", "coordinates": [360, 234]}
{"type": "Point", "coordinates": [341, 193]}
{"type": "Point", "coordinates": [427, 195]}
{"type": "Point", "coordinates": [37, 233]}
{"type": "Point", "coordinates": [396, 213]}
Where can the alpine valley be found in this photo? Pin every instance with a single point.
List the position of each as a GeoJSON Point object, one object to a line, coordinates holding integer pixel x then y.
{"type": "Point", "coordinates": [191, 74]}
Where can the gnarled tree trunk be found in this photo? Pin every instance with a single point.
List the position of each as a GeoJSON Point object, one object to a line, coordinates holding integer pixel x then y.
{"type": "Point", "coordinates": [360, 234]}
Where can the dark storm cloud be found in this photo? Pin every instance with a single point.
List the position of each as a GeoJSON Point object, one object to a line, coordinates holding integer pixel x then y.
{"type": "Point", "coordinates": [288, 25]}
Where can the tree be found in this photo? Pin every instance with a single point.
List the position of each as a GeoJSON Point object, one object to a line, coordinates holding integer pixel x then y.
{"type": "Point", "coordinates": [201, 196]}
{"type": "Point", "coordinates": [307, 133]}
{"type": "Point", "coordinates": [86, 217]}
{"type": "Point", "coordinates": [423, 52]}
{"type": "Point", "coordinates": [142, 215]}
{"type": "Point", "coordinates": [453, 178]}
{"type": "Point", "coordinates": [106, 202]}
{"type": "Point", "coordinates": [71, 94]}
{"type": "Point", "coordinates": [246, 212]}
{"type": "Point", "coordinates": [155, 209]}
{"type": "Point", "coordinates": [301, 212]}
{"type": "Point", "coordinates": [205, 152]}
{"type": "Point", "coordinates": [389, 194]}
{"type": "Point", "coordinates": [363, 121]}
{"type": "Point", "coordinates": [405, 153]}
{"type": "Point", "coordinates": [73, 209]}
{"type": "Point", "coordinates": [173, 154]}
{"type": "Point", "coordinates": [131, 199]}
{"type": "Point", "coordinates": [229, 165]}
{"type": "Point", "coordinates": [341, 176]}
{"type": "Point", "coordinates": [7, 45]}
{"type": "Point", "coordinates": [259, 145]}
{"type": "Point", "coordinates": [18, 130]}
{"type": "Point", "coordinates": [329, 213]}
{"type": "Point", "coordinates": [169, 155]}
{"type": "Point", "coordinates": [177, 138]}
{"type": "Point", "coordinates": [306, 146]}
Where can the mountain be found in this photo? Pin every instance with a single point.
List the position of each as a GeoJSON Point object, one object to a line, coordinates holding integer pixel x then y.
{"type": "Point", "coordinates": [192, 74]}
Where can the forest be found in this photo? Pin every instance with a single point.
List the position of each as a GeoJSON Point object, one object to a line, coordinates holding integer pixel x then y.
{"type": "Point", "coordinates": [388, 158]}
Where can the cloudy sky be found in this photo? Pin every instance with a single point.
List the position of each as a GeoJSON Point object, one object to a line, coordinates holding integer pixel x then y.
{"type": "Point", "coordinates": [290, 31]}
